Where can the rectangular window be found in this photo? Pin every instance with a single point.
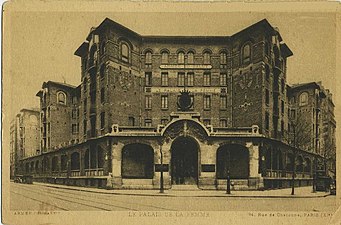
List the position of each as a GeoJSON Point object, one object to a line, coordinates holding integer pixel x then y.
{"type": "Point", "coordinates": [85, 104]}
{"type": "Point", "coordinates": [74, 113]}
{"type": "Point", "coordinates": [164, 79]}
{"type": "Point", "coordinates": [102, 95]}
{"type": "Point", "coordinates": [207, 122]}
{"type": "Point", "coordinates": [207, 102]}
{"type": "Point", "coordinates": [148, 103]}
{"type": "Point", "coordinates": [84, 127]}
{"type": "Point", "coordinates": [190, 79]}
{"type": "Point", "coordinates": [148, 122]}
{"type": "Point", "coordinates": [267, 121]}
{"type": "Point", "coordinates": [282, 106]}
{"type": "Point", "coordinates": [223, 123]}
{"type": "Point", "coordinates": [223, 79]}
{"type": "Point", "coordinates": [131, 121]}
{"type": "Point", "coordinates": [267, 96]}
{"type": "Point", "coordinates": [181, 79]}
{"type": "Point", "coordinates": [282, 85]}
{"type": "Point", "coordinates": [74, 128]}
{"type": "Point", "coordinates": [164, 121]}
{"type": "Point", "coordinates": [207, 79]}
{"type": "Point", "coordinates": [74, 100]}
{"type": "Point", "coordinates": [164, 102]}
{"type": "Point", "coordinates": [102, 120]}
{"type": "Point", "coordinates": [292, 114]}
{"type": "Point", "coordinates": [148, 78]}
{"type": "Point", "coordinates": [223, 102]}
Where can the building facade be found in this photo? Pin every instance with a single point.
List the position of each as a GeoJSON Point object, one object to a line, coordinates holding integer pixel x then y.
{"type": "Point", "coordinates": [312, 121]}
{"type": "Point", "coordinates": [24, 137]}
{"type": "Point", "coordinates": [196, 108]}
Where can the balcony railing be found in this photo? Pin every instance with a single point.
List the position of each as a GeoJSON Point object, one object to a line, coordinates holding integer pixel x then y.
{"type": "Point", "coordinates": [94, 172]}
{"type": "Point", "coordinates": [75, 173]}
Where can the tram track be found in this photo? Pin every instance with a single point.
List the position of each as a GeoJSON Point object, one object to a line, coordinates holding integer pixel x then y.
{"type": "Point", "coordinates": [66, 194]}
{"type": "Point", "coordinates": [40, 201]}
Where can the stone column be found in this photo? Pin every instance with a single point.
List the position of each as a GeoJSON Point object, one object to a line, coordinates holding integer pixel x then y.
{"type": "Point", "coordinates": [115, 178]}
{"type": "Point", "coordinates": [166, 154]}
{"type": "Point", "coordinates": [255, 179]}
{"type": "Point", "coordinates": [208, 158]}
{"type": "Point", "coordinates": [82, 163]}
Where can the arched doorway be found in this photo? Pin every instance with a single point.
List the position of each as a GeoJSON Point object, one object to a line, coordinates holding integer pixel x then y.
{"type": "Point", "coordinates": [184, 161]}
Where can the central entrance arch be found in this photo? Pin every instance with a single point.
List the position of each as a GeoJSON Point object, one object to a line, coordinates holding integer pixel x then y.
{"type": "Point", "coordinates": [184, 161]}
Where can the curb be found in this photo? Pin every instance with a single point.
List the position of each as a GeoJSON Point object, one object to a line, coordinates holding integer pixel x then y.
{"type": "Point", "coordinates": [197, 196]}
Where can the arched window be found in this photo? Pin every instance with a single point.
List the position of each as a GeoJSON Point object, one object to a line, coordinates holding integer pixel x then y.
{"type": "Point", "coordinates": [246, 54]}
{"type": "Point", "coordinates": [63, 164]}
{"type": "Point", "coordinates": [164, 57]}
{"type": "Point", "coordinates": [190, 58]}
{"type": "Point", "coordinates": [137, 161]}
{"type": "Point", "coordinates": [223, 58]}
{"type": "Point", "coordinates": [85, 84]}
{"type": "Point", "coordinates": [93, 55]}
{"type": "Point", "coordinates": [61, 98]}
{"type": "Point", "coordinates": [304, 99]}
{"type": "Point", "coordinates": [232, 158]}
{"type": "Point", "coordinates": [102, 71]}
{"type": "Point", "coordinates": [100, 158]}
{"type": "Point", "coordinates": [207, 58]}
{"type": "Point", "coordinates": [181, 57]}
{"type": "Point", "coordinates": [37, 165]}
{"type": "Point", "coordinates": [75, 164]}
{"type": "Point", "coordinates": [307, 167]}
{"type": "Point", "coordinates": [125, 52]}
{"type": "Point", "coordinates": [54, 163]}
{"type": "Point", "coordinates": [103, 47]}
{"type": "Point", "coordinates": [148, 57]}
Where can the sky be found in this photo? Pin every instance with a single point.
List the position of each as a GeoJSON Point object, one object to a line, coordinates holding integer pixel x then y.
{"type": "Point", "coordinates": [43, 43]}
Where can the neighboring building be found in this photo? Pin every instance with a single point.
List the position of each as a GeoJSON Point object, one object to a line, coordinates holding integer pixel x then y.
{"type": "Point", "coordinates": [311, 120]}
{"type": "Point", "coordinates": [59, 105]}
{"type": "Point", "coordinates": [13, 147]}
{"type": "Point", "coordinates": [24, 137]}
{"type": "Point", "coordinates": [208, 106]}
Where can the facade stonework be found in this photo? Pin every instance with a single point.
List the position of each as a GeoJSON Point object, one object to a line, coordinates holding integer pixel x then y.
{"type": "Point", "coordinates": [126, 122]}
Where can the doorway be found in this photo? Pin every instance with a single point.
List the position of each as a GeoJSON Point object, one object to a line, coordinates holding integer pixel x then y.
{"type": "Point", "coordinates": [184, 161]}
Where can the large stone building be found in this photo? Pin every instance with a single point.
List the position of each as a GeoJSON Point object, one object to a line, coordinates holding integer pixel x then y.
{"type": "Point", "coordinates": [24, 137]}
{"type": "Point", "coordinates": [311, 120]}
{"type": "Point", "coordinates": [196, 108]}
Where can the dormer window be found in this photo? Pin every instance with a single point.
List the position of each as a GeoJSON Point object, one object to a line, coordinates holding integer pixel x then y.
{"type": "Point", "coordinates": [61, 98]}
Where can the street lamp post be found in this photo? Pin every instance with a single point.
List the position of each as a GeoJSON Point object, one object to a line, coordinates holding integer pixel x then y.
{"type": "Point", "coordinates": [293, 181]}
{"type": "Point", "coordinates": [228, 180]}
{"type": "Point", "coordinates": [161, 171]}
{"type": "Point", "coordinates": [228, 188]}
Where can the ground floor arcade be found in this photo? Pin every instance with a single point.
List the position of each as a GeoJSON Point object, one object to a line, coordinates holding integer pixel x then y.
{"type": "Point", "coordinates": [185, 151]}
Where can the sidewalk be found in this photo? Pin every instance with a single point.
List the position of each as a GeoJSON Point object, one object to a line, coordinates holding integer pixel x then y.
{"type": "Point", "coordinates": [300, 192]}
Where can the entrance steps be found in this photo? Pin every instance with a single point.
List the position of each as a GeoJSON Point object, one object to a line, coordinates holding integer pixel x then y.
{"type": "Point", "coordinates": [184, 187]}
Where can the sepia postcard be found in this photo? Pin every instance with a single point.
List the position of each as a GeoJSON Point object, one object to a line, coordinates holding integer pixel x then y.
{"type": "Point", "coordinates": [132, 112]}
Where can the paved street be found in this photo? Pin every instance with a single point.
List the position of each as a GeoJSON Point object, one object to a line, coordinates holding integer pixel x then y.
{"type": "Point", "coordinates": [40, 197]}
